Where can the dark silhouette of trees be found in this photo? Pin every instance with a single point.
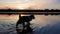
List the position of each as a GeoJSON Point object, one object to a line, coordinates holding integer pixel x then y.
{"type": "Point", "coordinates": [44, 12]}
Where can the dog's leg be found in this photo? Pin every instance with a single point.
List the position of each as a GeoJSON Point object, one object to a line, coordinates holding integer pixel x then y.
{"type": "Point", "coordinates": [23, 25]}
{"type": "Point", "coordinates": [17, 25]}
{"type": "Point", "coordinates": [28, 24]}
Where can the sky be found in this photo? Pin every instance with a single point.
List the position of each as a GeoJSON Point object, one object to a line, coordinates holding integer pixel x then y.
{"type": "Point", "coordinates": [30, 4]}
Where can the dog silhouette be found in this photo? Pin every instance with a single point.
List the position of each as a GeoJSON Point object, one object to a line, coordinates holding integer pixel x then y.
{"type": "Point", "coordinates": [23, 19]}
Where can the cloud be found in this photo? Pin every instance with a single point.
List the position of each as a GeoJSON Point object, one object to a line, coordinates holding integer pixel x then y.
{"type": "Point", "coordinates": [32, 4]}
{"type": "Point", "coordinates": [40, 4]}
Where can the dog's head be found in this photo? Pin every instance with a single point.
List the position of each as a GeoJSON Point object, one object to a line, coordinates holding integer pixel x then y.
{"type": "Point", "coordinates": [32, 16]}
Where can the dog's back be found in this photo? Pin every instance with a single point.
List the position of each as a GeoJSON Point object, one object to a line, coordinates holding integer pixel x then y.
{"type": "Point", "coordinates": [25, 19]}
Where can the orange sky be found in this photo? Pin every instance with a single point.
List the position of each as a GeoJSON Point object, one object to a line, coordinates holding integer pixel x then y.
{"type": "Point", "coordinates": [30, 4]}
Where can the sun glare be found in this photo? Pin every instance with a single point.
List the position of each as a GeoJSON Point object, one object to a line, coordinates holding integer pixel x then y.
{"type": "Point", "coordinates": [22, 15]}
{"type": "Point", "coordinates": [21, 8]}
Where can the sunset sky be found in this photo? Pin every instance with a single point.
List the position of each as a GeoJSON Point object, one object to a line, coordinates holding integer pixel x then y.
{"type": "Point", "coordinates": [30, 4]}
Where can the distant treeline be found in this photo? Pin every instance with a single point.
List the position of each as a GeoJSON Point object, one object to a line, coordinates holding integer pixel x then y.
{"type": "Point", "coordinates": [45, 12]}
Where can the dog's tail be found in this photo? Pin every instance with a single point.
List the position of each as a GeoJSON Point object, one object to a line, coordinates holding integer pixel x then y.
{"type": "Point", "coordinates": [19, 15]}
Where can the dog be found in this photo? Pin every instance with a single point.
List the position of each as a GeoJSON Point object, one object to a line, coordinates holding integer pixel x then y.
{"type": "Point", "coordinates": [23, 19]}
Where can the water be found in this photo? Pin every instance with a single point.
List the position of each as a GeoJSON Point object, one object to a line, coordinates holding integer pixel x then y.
{"type": "Point", "coordinates": [43, 24]}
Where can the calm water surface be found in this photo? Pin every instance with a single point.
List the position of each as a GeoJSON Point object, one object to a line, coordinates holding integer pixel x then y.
{"type": "Point", "coordinates": [7, 23]}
